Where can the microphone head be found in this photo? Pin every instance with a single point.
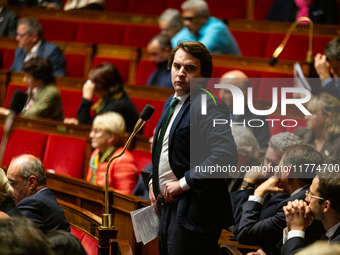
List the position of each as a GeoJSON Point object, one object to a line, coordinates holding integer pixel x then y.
{"type": "Point", "coordinates": [18, 101]}
{"type": "Point", "coordinates": [273, 61]}
{"type": "Point", "coordinates": [147, 112]}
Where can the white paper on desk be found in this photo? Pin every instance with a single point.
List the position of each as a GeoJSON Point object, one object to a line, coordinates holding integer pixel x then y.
{"type": "Point", "coordinates": [299, 78]}
{"type": "Point", "coordinates": [145, 223]}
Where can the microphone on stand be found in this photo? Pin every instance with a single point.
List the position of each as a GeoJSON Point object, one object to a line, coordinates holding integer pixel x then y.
{"type": "Point", "coordinates": [17, 104]}
{"type": "Point", "coordinates": [279, 49]}
{"type": "Point", "coordinates": [143, 117]}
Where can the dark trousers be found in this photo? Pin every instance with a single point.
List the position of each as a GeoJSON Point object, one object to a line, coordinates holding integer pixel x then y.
{"type": "Point", "coordinates": [176, 241]}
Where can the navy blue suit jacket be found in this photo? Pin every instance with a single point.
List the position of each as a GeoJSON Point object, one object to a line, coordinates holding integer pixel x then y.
{"type": "Point", "coordinates": [293, 245]}
{"type": "Point", "coordinates": [47, 50]}
{"type": "Point", "coordinates": [44, 209]}
{"type": "Point", "coordinates": [268, 232]}
{"type": "Point", "coordinates": [8, 207]}
{"type": "Point", "coordinates": [206, 206]}
{"type": "Point", "coordinates": [332, 89]}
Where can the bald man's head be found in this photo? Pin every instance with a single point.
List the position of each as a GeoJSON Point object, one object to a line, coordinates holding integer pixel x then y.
{"type": "Point", "coordinates": [236, 78]}
{"type": "Point", "coordinates": [26, 175]}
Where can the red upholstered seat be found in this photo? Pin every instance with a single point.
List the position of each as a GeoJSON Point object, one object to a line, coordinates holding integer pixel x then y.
{"type": "Point", "coordinates": [75, 65]}
{"type": "Point", "coordinates": [70, 100]}
{"type": "Point", "coordinates": [65, 155]}
{"type": "Point", "coordinates": [116, 6]}
{"type": "Point", "coordinates": [139, 35]}
{"type": "Point", "coordinates": [89, 243]}
{"type": "Point", "coordinates": [319, 44]}
{"type": "Point", "coordinates": [262, 8]}
{"type": "Point", "coordinates": [150, 7]}
{"type": "Point", "coordinates": [59, 30]}
{"type": "Point", "coordinates": [296, 47]}
{"type": "Point", "coordinates": [105, 33]}
{"type": "Point", "coordinates": [229, 9]}
{"type": "Point", "coordinates": [10, 91]}
{"type": "Point", "coordinates": [145, 68]}
{"type": "Point", "coordinates": [152, 122]}
{"type": "Point", "coordinates": [257, 46]}
{"type": "Point", "coordinates": [275, 126]}
{"type": "Point", "coordinates": [24, 142]}
{"type": "Point", "coordinates": [142, 158]}
{"type": "Point", "coordinates": [270, 80]}
{"type": "Point", "coordinates": [7, 58]}
{"type": "Point", "coordinates": [123, 65]}
{"type": "Point", "coordinates": [175, 4]}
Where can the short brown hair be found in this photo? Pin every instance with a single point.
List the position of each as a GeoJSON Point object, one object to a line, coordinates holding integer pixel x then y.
{"type": "Point", "coordinates": [107, 77]}
{"type": "Point", "coordinates": [199, 51]}
{"type": "Point", "coordinates": [40, 68]}
{"type": "Point", "coordinates": [329, 188]}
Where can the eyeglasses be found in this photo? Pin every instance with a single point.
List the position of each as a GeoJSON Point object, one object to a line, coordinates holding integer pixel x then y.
{"type": "Point", "coordinates": [22, 35]}
{"type": "Point", "coordinates": [309, 195]}
{"type": "Point", "coordinates": [266, 161]}
{"type": "Point", "coordinates": [190, 19]}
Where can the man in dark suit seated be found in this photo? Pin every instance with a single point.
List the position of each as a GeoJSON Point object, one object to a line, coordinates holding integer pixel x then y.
{"type": "Point", "coordinates": [159, 49]}
{"type": "Point", "coordinates": [8, 21]}
{"type": "Point", "coordinates": [293, 176]}
{"type": "Point", "coordinates": [194, 209]}
{"type": "Point", "coordinates": [327, 66]}
{"type": "Point", "coordinates": [31, 44]}
{"type": "Point", "coordinates": [31, 196]}
{"type": "Point", "coordinates": [323, 205]}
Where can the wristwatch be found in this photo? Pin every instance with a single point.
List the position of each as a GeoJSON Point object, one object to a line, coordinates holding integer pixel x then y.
{"type": "Point", "coordinates": [246, 184]}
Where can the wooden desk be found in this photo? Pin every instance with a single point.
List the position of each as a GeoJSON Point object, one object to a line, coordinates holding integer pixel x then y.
{"type": "Point", "coordinates": [224, 240]}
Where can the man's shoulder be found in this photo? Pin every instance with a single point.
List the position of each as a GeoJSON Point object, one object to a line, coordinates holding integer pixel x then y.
{"type": "Point", "coordinates": [47, 47]}
{"type": "Point", "coordinates": [214, 23]}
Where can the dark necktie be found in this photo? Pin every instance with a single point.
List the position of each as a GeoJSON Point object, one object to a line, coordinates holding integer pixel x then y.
{"type": "Point", "coordinates": [159, 144]}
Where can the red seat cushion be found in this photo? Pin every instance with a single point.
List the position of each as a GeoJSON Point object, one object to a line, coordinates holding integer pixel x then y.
{"type": "Point", "coordinates": [257, 46]}
{"type": "Point", "coordinates": [90, 244]}
{"type": "Point", "coordinates": [145, 68]}
{"type": "Point", "coordinates": [320, 44]}
{"type": "Point", "coordinates": [142, 158]}
{"type": "Point", "coordinates": [269, 81]}
{"type": "Point", "coordinates": [150, 7]}
{"type": "Point", "coordinates": [24, 142]}
{"type": "Point", "coordinates": [59, 30]}
{"type": "Point", "coordinates": [228, 9]}
{"type": "Point", "coordinates": [152, 122]}
{"type": "Point", "coordinates": [10, 91]}
{"type": "Point", "coordinates": [296, 47]}
{"type": "Point", "coordinates": [116, 6]}
{"type": "Point", "coordinates": [262, 8]}
{"type": "Point", "coordinates": [123, 65]}
{"type": "Point", "coordinates": [7, 58]}
{"type": "Point", "coordinates": [75, 65]}
{"type": "Point", "coordinates": [139, 35]}
{"type": "Point", "coordinates": [70, 100]}
{"type": "Point", "coordinates": [96, 33]}
{"type": "Point", "coordinates": [65, 155]}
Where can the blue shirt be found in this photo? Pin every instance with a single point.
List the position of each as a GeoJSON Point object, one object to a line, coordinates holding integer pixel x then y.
{"type": "Point", "coordinates": [214, 34]}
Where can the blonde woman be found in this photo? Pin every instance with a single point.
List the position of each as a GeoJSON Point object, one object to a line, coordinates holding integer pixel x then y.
{"type": "Point", "coordinates": [323, 127]}
{"type": "Point", "coordinates": [6, 191]}
{"type": "Point", "coordinates": [108, 137]}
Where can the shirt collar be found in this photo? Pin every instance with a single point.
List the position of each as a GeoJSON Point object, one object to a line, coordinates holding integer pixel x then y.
{"type": "Point", "coordinates": [332, 230]}
{"type": "Point", "coordinates": [182, 98]}
{"type": "Point", "coordinates": [298, 190]}
{"type": "Point", "coordinates": [35, 48]}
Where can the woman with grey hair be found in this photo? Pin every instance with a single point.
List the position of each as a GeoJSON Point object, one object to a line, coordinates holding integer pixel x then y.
{"type": "Point", "coordinates": [170, 22]}
{"type": "Point", "coordinates": [6, 191]}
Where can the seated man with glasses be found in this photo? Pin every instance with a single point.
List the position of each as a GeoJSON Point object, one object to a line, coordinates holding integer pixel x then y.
{"type": "Point", "coordinates": [289, 178]}
{"type": "Point", "coordinates": [31, 45]}
{"type": "Point", "coordinates": [277, 144]}
{"type": "Point", "coordinates": [200, 26]}
{"type": "Point", "coordinates": [321, 203]}
{"type": "Point", "coordinates": [31, 195]}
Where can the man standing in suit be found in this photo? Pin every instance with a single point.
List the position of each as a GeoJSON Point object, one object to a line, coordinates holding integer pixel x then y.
{"type": "Point", "coordinates": [323, 205]}
{"type": "Point", "coordinates": [193, 209]}
{"type": "Point", "coordinates": [8, 21]}
{"type": "Point", "coordinates": [31, 44]}
{"type": "Point", "coordinates": [31, 196]}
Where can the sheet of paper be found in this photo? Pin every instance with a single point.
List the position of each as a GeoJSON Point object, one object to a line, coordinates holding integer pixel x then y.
{"type": "Point", "coordinates": [145, 223]}
{"type": "Point", "coordinates": [299, 78]}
